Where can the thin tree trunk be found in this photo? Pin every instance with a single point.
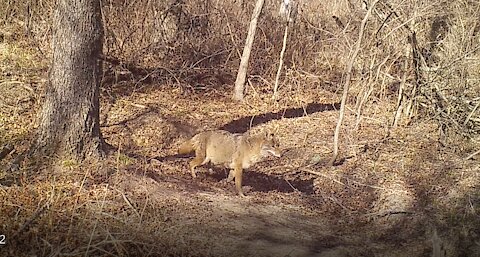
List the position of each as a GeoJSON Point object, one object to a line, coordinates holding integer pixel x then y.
{"type": "Point", "coordinates": [346, 86]}
{"type": "Point", "coordinates": [280, 65]}
{"type": "Point", "coordinates": [242, 70]}
{"type": "Point", "coordinates": [69, 119]}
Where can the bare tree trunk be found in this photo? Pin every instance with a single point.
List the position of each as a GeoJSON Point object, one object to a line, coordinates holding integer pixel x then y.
{"type": "Point", "coordinates": [280, 65]}
{"type": "Point", "coordinates": [69, 119]}
{"type": "Point", "coordinates": [346, 86]}
{"type": "Point", "coordinates": [242, 70]}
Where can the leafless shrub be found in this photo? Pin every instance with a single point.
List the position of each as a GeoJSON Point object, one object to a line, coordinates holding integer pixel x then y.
{"type": "Point", "coordinates": [452, 68]}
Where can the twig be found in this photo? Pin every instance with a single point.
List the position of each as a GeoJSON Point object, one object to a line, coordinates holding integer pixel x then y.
{"type": "Point", "coordinates": [35, 215]}
{"type": "Point", "coordinates": [15, 165]}
{"type": "Point", "coordinates": [320, 174]}
{"type": "Point", "coordinates": [294, 189]}
{"type": "Point", "coordinates": [208, 56]}
{"type": "Point", "coordinates": [471, 155]}
{"type": "Point", "coordinates": [388, 213]}
{"type": "Point", "coordinates": [468, 117]}
{"type": "Point", "coordinates": [8, 148]}
{"type": "Point", "coordinates": [335, 200]}
{"type": "Point", "coordinates": [231, 35]}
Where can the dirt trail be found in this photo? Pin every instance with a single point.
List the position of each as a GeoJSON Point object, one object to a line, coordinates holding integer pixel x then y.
{"type": "Point", "coordinates": [267, 229]}
{"type": "Point", "coordinates": [247, 227]}
{"type": "Point", "coordinates": [262, 224]}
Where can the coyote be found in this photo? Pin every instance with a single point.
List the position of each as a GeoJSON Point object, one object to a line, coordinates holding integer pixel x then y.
{"type": "Point", "coordinates": [234, 151]}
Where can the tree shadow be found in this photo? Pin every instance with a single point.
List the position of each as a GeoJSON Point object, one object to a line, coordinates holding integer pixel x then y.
{"type": "Point", "coordinates": [242, 125]}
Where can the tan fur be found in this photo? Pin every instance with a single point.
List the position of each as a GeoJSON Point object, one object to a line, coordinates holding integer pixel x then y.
{"type": "Point", "coordinates": [234, 151]}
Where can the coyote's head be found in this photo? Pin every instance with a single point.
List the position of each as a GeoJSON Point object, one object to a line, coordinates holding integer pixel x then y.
{"type": "Point", "coordinates": [270, 146]}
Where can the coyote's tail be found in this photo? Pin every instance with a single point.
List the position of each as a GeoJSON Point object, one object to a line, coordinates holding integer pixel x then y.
{"type": "Point", "coordinates": [186, 147]}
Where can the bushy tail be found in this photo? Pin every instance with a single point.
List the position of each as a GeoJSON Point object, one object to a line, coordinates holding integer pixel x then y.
{"type": "Point", "coordinates": [186, 147]}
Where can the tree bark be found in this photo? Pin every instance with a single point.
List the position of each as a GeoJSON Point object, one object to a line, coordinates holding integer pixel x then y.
{"type": "Point", "coordinates": [69, 120]}
{"type": "Point", "coordinates": [242, 70]}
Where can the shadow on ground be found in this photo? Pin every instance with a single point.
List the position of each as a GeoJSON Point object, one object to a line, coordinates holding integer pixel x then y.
{"type": "Point", "coordinates": [260, 182]}
{"type": "Point", "coordinates": [243, 124]}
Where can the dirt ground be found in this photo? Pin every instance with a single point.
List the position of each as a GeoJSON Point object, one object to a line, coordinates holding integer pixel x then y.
{"type": "Point", "coordinates": [392, 188]}
{"type": "Point", "coordinates": [380, 197]}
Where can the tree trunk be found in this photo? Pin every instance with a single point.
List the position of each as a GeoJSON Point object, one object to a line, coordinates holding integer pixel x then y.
{"type": "Point", "coordinates": [69, 119]}
{"type": "Point", "coordinates": [242, 70]}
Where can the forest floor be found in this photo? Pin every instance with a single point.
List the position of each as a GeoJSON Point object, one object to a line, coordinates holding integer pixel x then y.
{"type": "Point", "coordinates": [393, 187]}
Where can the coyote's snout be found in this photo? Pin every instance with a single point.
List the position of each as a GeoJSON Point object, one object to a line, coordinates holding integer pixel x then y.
{"type": "Point", "coordinates": [234, 151]}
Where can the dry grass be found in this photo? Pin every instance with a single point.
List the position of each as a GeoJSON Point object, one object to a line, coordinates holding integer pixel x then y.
{"type": "Point", "coordinates": [169, 74]}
